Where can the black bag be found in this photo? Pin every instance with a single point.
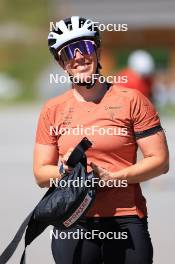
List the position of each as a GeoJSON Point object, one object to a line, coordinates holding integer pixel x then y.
{"type": "Point", "coordinates": [60, 206]}
{"type": "Point", "coordinates": [65, 205]}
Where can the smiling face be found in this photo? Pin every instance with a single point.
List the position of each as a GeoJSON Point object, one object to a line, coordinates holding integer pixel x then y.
{"type": "Point", "coordinates": [82, 66]}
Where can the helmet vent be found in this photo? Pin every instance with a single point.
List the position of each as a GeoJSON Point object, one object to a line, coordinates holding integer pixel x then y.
{"type": "Point", "coordinates": [58, 31]}
{"type": "Point", "coordinates": [51, 42]}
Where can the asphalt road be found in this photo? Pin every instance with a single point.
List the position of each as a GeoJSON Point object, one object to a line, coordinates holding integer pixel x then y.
{"type": "Point", "coordinates": [19, 192]}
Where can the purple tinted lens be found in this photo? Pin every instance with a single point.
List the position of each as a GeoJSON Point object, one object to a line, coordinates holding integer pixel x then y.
{"type": "Point", "coordinates": [84, 46]}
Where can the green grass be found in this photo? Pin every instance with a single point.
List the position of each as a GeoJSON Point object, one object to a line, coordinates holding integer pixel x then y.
{"type": "Point", "coordinates": [24, 59]}
{"type": "Point", "coordinates": [167, 110]}
{"type": "Point", "coordinates": [33, 13]}
{"type": "Point", "coordinates": [25, 64]}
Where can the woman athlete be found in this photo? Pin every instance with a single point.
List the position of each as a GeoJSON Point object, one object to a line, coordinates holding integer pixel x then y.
{"type": "Point", "coordinates": [117, 121]}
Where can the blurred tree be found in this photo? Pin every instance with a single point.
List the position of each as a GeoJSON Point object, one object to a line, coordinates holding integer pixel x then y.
{"type": "Point", "coordinates": [23, 48]}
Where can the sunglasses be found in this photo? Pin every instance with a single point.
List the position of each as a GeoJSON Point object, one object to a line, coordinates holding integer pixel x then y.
{"type": "Point", "coordinates": [68, 52]}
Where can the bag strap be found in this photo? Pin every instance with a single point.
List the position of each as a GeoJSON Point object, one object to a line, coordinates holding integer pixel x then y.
{"type": "Point", "coordinates": [32, 232]}
{"type": "Point", "coordinates": [23, 258]}
{"type": "Point", "coordinates": [10, 249]}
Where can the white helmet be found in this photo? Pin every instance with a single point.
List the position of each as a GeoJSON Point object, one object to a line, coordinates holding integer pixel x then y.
{"type": "Point", "coordinates": [70, 30]}
{"type": "Point", "coordinates": [141, 62]}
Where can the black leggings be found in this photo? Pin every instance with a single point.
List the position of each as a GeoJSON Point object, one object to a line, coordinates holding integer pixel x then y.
{"type": "Point", "coordinates": [131, 243]}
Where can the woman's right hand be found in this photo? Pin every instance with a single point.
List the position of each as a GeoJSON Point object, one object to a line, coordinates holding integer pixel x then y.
{"type": "Point", "coordinates": [64, 167]}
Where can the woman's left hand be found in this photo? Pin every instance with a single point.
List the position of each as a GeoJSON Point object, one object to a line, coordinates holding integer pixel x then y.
{"type": "Point", "coordinates": [102, 173]}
